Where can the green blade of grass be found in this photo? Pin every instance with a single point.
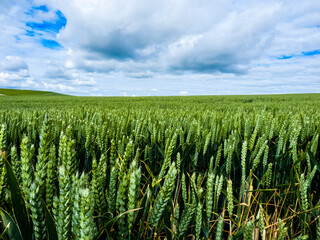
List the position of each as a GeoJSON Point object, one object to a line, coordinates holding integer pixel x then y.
{"type": "Point", "coordinates": [19, 207]}
{"type": "Point", "coordinates": [13, 230]}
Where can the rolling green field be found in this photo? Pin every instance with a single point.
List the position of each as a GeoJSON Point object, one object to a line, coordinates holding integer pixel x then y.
{"type": "Point", "coordinates": [18, 92]}
{"type": "Point", "coordinates": [198, 167]}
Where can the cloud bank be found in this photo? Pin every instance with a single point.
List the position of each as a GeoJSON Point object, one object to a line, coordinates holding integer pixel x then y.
{"type": "Point", "coordinates": [109, 47]}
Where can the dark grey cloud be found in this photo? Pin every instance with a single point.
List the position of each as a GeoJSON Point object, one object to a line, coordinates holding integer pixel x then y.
{"type": "Point", "coordinates": [119, 45]}
{"type": "Point", "coordinates": [214, 65]}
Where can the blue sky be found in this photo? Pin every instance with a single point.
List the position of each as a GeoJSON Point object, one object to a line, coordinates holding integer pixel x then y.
{"type": "Point", "coordinates": [151, 48]}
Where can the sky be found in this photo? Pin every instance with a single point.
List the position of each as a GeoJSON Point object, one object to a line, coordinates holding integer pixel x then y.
{"type": "Point", "coordinates": [159, 48]}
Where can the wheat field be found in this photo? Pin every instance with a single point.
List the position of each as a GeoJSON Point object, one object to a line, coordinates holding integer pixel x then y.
{"type": "Point", "coordinates": [211, 167]}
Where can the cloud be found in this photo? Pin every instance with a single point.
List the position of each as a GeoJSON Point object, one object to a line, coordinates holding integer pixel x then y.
{"type": "Point", "coordinates": [60, 87]}
{"type": "Point", "coordinates": [226, 47]}
{"type": "Point", "coordinates": [172, 37]}
{"type": "Point", "coordinates": [113, 47]}
{"type": "Point", "coordinates": [56, 72]}
{"type": "Point", "coordinates": [183, 92]}
{"type": "Point", "coordinates": [17, 80]}
{"type": "Point", "coordinates": [145, 74]}
{"type": "Point", "coordinates": [13, 63]}
{"type": "Point", "coordinates": [208, 36]}
{"type": "Point", "coordinates": [84, 82]}
{"type": "Point", "coordinates": [15, 71]}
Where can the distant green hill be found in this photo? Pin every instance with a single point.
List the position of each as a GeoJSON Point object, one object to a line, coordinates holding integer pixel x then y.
{"type": "Point", "coordinates": [18, 92]}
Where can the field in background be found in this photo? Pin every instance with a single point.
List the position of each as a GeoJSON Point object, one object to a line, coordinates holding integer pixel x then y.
{"type": "Point", "coordinates": [199, 103]}
{"type": "Point", "coordinates": [18, 92]}
{"type": "Point", "coordinates": [198, 167]}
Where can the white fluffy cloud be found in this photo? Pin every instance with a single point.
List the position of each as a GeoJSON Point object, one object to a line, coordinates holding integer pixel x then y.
{"type": "Point", "coordinates": [13, 63]}
{"type": "Point", "coordinates": [201, 36]}
{"type": "Point", "coordinates": [110, 47]}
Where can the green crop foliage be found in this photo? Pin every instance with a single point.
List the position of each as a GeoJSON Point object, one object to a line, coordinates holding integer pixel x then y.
{"type": "Point", "coordinates": [210, 167]}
